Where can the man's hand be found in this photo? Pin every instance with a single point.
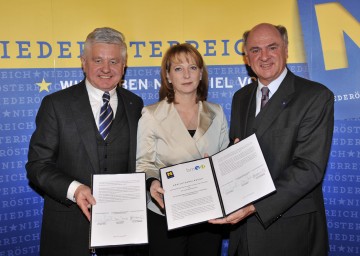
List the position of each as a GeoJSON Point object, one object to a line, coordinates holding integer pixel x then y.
{"type": "Point", "coordinates": [236, 216]}
{"type": "Point", "coordinates": [157, 192]}
{"type": "Point", "coordinates": [84, 199]}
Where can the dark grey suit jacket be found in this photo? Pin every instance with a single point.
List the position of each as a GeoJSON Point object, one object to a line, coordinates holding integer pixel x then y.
{"type": "Point", "coordinates": [294, 131]}
{"type": "Point", "coordinates": [62, 149]}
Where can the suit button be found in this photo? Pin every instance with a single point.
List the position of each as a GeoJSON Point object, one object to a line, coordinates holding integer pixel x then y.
{"type": "Point", "coordinates": [105, 156]}
{"type": "Point", "coordinates": [105, 170]}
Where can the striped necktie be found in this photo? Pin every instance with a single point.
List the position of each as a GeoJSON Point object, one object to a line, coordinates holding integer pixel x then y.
{"type": "Point", "coordinates": [106, 116]}
{"type": "Point", "coordinates": [264, 96]}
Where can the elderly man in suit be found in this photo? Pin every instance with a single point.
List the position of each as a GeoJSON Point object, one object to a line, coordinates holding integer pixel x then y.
{"type": "Point", "coordinates": [89, 128]}
{"type": "Point", "coordinates": [293, 120]}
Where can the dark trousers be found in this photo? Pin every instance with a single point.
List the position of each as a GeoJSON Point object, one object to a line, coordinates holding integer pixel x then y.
{"type": "Point", "coordinates": [200, 239]}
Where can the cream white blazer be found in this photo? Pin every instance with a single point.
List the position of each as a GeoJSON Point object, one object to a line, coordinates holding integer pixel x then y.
{"type": "Point", "coordinates": [163, 139]}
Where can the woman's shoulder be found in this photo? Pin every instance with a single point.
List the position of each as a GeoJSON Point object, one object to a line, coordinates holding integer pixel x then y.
{"type": "Point", "coordinates": [154, 106]}
{"type": "Point", "coordinates": [157, 109]}
{"type": "Point", "coordinates": [213, 106]}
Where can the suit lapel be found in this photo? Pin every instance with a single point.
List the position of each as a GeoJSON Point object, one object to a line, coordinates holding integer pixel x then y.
{"type": "Point", "coordinates": [250, 112]}
{"type": "Point", "coordinates": [132, 121]}
{"type": "Point", "coordinates": [206, 116]}
{"type": "Point", "coordinates": [241, 118]}
{"type": "Point", "coordinates": [276, 105]}
{"type": "Point", "coordinates": [85, 123]}
{"type": "Point", "coordinates": [172, 124]}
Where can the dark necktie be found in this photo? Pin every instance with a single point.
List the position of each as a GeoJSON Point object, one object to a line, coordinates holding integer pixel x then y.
{"type": "Point", "coordinates": [106, 116]}
{"type": "Point", "coordinates": [264, 96]}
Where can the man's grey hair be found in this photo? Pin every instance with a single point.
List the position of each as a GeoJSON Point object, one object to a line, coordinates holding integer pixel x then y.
{"type": "Point", "coordinates": [108, 36]}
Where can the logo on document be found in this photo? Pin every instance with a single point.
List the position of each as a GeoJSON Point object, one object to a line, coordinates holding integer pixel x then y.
{"type": "Point", "coordinates": [196, 168]}
{"type": "Point", "coordinates": [169, 174]}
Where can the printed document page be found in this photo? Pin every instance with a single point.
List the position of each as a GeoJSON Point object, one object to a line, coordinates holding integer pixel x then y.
{"type": "Point", "coordinates": [242, 174]}
{"type": "Point", "coordinates": [190, 193]}
{"type": "Point", "coordinates": [119, 216]}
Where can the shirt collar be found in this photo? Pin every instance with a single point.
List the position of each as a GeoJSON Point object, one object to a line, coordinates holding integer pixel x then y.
{"type": "Point", "coordinates": [95, 92]}
{"type": "Point", "coordinates": [274, 85]}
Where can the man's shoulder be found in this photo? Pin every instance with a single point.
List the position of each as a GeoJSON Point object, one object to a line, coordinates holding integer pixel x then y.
{"type": "Point", "coordinates": [130, 96]}
{"type": "Point", "coordinates": [245, 90]}
{"type": "Point", "coordinates": [310, 87]}
{"type": "Point", "coordinates": [75, 89]}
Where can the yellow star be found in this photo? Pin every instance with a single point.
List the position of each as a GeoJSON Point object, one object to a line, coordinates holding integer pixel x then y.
{"type": "Point", "coordinates": [44, 86]}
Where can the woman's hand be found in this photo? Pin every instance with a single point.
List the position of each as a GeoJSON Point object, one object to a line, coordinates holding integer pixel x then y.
{"type": "Point", "coordinates": [157, 192]}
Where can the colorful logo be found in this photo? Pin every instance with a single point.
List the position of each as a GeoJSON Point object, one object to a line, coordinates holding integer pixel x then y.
{"type": "Point", "coordinates": [170, 174]}
{"type": "Point", "coordinates": [196, 168]}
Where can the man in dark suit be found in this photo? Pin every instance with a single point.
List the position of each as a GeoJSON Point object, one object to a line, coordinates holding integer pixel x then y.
{"type": "Point", "coordinates": [294, 130]}
{"type": "Point", "coordinates": [67, 147]}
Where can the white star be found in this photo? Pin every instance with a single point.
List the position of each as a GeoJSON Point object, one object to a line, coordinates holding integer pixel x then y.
{"type": "Point", "coordinates": [341, 248]}
{"type": "Point", "coordinates": [6, 113]}
{"type": "Point", "coordinates": [36, 73]}
{"type": "Point", "coordinates": [13, 227]}
{"type": "Point", "coordinates": [341, 201]}
{"type": "Point", "coordinates": [351, 153]}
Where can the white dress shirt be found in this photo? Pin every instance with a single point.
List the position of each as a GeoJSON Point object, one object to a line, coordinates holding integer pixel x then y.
{"type": "Point", "coordinates": [96, 101]}
{"type": "Point", "coordinates": [273, 86]}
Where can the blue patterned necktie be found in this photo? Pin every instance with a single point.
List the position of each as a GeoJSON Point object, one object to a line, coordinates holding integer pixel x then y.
{"type": "Point", "coordinates": [264, 96]}
{"type": "Point", "coordinates": [106, 116]}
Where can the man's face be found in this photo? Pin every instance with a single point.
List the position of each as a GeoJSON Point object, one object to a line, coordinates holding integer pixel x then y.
{"type": "Point", "coordinates": [266, 52]}
{"type": "Point", "coordinates": [103, 65]}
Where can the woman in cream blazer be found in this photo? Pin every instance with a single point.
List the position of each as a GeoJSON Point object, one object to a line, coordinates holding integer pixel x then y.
{"type": "Point", "coordinates": [181, 127]}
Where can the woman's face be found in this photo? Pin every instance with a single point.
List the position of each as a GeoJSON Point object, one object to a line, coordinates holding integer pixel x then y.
{"type": "Point", "coordinates": [184, 74]}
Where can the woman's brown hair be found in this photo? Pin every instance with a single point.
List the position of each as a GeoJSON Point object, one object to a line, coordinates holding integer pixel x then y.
{"type": "Point", "coordinates": [171, 55]}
